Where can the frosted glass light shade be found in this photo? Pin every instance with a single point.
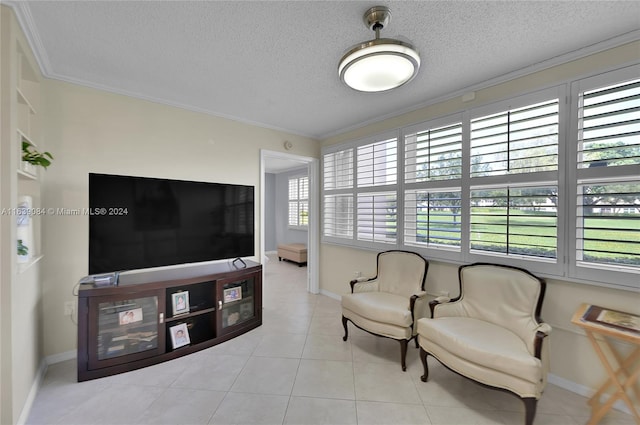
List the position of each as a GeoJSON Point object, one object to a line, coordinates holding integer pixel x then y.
{"type": "Point", "coordinates": [379, 65]}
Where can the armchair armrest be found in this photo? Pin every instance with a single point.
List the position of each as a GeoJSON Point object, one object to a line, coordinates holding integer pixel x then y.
{"type": "Point", "coordinates": [435, 302]}
{"type": "Point", "coordinates": [412, 303]}
{"type": "Point", "coordinates": [364, 284]}
{"type": "Point", "coordinates": [542, 331]}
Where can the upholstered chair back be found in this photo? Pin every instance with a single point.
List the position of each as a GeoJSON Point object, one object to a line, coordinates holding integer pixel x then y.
{"type": "Point", "coordinates": [400, 272]}
{"type": "Point", "coordinates": [509, 298]}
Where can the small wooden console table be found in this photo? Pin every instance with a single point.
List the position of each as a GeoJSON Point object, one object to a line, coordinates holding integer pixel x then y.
{"type": "Point", "coordinates": [602, 326]}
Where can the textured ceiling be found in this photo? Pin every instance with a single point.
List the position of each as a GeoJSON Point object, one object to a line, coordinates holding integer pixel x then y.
{"type": "Point", "coordinates": [274, 63]}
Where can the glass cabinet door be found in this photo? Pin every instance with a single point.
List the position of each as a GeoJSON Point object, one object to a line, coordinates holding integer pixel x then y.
{"type": "Point", "coordinates": [127, 329]}
{"type": "Point", "coordinates": [237, 301]}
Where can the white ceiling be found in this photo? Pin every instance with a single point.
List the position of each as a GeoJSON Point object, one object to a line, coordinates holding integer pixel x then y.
{"type": "Point", "coordinates": [274, 63]}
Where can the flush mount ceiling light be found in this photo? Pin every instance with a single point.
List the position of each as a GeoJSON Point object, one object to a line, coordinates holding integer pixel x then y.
{"type": "Point", "coordinates": [380, 64]}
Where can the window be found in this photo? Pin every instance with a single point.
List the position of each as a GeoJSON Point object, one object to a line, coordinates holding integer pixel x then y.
{"type": "Point", "coordinates": [548, 181]}
{"type": "Point", "coordinates": [513, 198]}
{"type": "Point", "coordinates": [359, 193]}
{"type": "Point", "coordinates": [433, 218]}
{"type": "Point", "coordinates": [299, 201]}
{"type": "Point", "coordinates": [607, 185]}
{"type": "Point", "coordinates": [522, 140]}
{"type": "Point", "coordinates": [515, 220]}
{"type": "Point", "coordinates": [432, 206]}
{"type": "Point", "coordinates": [338, 173]}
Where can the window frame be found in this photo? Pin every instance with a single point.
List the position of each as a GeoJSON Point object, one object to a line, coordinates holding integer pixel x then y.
{"type": "Point", "coordinates": [541, 266]}
{"type": "Point", "coordinates": [601, 275]}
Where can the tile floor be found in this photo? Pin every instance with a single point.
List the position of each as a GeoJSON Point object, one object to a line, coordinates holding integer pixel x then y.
{"type": "Point", "coordinates": [294, 369]}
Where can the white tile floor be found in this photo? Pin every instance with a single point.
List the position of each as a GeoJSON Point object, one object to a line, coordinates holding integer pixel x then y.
{"type": "Point", "coordinates": [294, 369]}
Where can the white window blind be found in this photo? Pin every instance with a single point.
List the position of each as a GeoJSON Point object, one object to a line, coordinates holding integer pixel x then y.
{"type": "Point", "coordinates": [433, 218]}
{"type": "Point", "coordinates": [521, 140]}
{"type": "Point", "coordinates": [338, 216]}
{"type": "Point", "coordinates": [609, 126]}
{"type": "Point", "coordinates": [338, 177]}
{"type": "Point", "coordinates": [377, 217]}
{"type": "Point", "coordinates": [515, 220]}
{"type": "Point", "coordinates": [377, 163]}
{"type": "Point", "coordinates": [608, 176]}
{"type": "Point", "coordinates": [434, 154]}
{"type": "Point", "coordinates": [299, 201]}
{"type": "Point", "coordinates": [338, 170]}
{"type": "Point", "coordinates": [608, 230]}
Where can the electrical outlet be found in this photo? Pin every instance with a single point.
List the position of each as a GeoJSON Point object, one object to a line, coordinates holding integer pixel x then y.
{"type": "Point", "coordinates": [443, 293]}
{"type": "Point", "coordinates": [68, 308]}
{"type": "Point", "coordinates": [357, 274]}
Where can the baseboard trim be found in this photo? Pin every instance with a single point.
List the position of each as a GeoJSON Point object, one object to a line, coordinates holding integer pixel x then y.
{"type": "Point", "coordinates": [61, 357]}
{"type": "Point", "coordinates": [330, 294]}
{"type": "Point", "coordinates": [583, 391]}
{"type": "Point", "coordinates": [33, 392]}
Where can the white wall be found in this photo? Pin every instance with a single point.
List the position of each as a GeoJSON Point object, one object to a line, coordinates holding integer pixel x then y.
{"type": "Point", "coordinates": [572, 358]}
{"type": "Point", "coordinates": [270, 242]}
{"type": "Point", "coordinates": [94, 131]}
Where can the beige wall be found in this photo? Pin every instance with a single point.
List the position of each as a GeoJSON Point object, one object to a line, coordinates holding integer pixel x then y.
{"type": "Point", "coordinates": [572, 358]}
{"type": "Point", "coordinates": [94, 131]}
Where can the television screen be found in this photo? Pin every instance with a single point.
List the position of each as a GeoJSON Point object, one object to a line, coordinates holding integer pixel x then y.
{"type": "Point", "coordinates": [139, 222]}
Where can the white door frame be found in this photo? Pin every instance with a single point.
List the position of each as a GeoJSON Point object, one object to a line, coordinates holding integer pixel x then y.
{"type": "Point", "coordinates": [313, 245]}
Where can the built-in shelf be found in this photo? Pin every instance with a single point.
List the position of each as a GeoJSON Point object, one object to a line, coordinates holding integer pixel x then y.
{"type": "Point", "coordinates": [25, 175]}
{"type": "Point", "coordinates": [24, 100]}
{"type": "Point", "coordinates": [23, 267]}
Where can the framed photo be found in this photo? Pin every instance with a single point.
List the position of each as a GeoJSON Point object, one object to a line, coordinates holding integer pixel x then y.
{"type": "Point", "coordinates": [232, 294]}
{"type": "Point", "coordinates": [180, 302]}
{"type": "Point", "coordinates": [130, 316]}
{"type": "Point", "coordinates": [179, 335]}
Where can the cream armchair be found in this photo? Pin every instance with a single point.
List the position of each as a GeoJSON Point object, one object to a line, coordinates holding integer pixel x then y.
{"type": "Point", "coordinates": [492, 333]}
{"type": "Point", "coordinates": [386, 304]}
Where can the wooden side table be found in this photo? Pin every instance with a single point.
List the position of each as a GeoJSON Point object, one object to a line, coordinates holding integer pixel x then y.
{"type": "Point", "coordinates": [623, 371]}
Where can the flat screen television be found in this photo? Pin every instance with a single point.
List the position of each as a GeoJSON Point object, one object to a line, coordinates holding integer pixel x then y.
{"type": "Point", "coordinates": [140, 222]}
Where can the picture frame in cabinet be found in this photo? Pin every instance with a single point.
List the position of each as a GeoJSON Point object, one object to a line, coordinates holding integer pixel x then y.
{"type": "Point", "coordinates": [180, 302]}
{"type": "Point", "coordinates": [130, 316]}
{"type": "Point", "coordinates": [232, 294]}
{"type": "Point", "coordinates": [179, 336]}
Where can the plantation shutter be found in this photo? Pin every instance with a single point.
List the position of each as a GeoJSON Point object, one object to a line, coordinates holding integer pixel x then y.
{"type": "Point", "coordinates": [338, 216]}
{"type": "Point", "coordinates": [298, 201]}
{"type": "Point", "coordinates": [338, 196]}
{"type": "Point", "coordinates": [522, 140]}
{"type": "Point", "coordinates": [377, 168]}
{"type": "Point", "coordinates": [377, 163]}
{"type": "Point", "coordinates": [608, 230]}
{"type": "Point", "coordinates": [609, 126]}
{"type": "Point", "coordinates": [434, 154]}
{"type": "Point", "coordinates": [433, 218]}
{"type": "Point", "coordinates": [608, 185]}
{"type": "Point", "coordinates": [293, 201]}
{"type": "Point", "coordinates": [515, 220]}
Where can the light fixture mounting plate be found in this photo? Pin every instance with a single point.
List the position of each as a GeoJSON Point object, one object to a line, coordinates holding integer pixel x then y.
{"type": "Point", "coordinates": [379, 15]}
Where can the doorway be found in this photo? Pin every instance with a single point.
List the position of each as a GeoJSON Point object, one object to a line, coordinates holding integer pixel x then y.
{"type": "Point", "coordinates": [272, 162]}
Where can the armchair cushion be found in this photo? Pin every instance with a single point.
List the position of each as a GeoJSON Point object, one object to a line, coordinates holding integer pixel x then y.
{"type": "Point", "coordinates": [490, 346]}
{"type": "Point", "coordinates": [380, 307]}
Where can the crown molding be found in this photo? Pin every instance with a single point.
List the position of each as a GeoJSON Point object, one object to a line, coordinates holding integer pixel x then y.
{"type": "Point", "coordinates": [25, 20]}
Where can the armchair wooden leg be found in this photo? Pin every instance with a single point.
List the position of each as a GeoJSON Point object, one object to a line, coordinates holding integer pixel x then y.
{"type": "Point", "coordinates": [346, 331]}
{"type": "Point", "coordinates": [403, 353]}
{"type": "Point", "coordinates": [530, 405]}
{"type": "Point", "coordinates": [423, 357]}
{"type": "Point", "coordinates": [416, 340]}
